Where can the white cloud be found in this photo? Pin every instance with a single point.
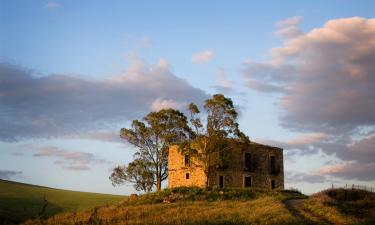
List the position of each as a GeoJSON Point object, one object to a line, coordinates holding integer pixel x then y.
{"type": "Point", "coordinates": [159, 104]}
{"type": "Point", "coordinates": [203, 57]}
{"type": "Point", "coordinates": [292, 21]}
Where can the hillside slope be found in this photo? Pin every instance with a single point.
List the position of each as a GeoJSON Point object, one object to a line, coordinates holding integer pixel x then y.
{"type": "Point", "coordinates": [19, 201]}
{"type": "Point", "coordinates": [230, 206]}
{"type": "Point", "coordinates": [341, 206]}
{"type": "Point", "coordinates": [189, 206]}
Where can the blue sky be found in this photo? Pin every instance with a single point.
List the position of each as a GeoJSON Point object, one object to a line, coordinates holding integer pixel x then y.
{"type": "Point", "coordinates": [74, 72]}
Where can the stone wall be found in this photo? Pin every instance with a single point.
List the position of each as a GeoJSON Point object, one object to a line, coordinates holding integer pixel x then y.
{"type": "Point", "coordinates": [177, 170]}
{"type": "Point", "coordinates": [232, 168]}
{"type": "Point", "coordinates": [234, 171]}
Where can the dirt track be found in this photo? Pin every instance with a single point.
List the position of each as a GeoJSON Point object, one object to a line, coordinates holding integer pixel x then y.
{"type": "Point", "coordinates": [297, 209]}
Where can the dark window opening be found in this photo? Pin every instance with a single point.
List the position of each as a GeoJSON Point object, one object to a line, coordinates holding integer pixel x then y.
{"type": "Point", "coordinates": [187, 160]}
{"type": "Point", "coordinates": [247, 181]}
{"type": "Point", "coordinates": [221, 181]}
{"type": "Point", "coordinates": [248, 165]}
{"type": "Point", "coordinates": [273, 164]}
{"type": "Point", "coordinates": [187, 176]}
{"type": "Point", "coordinates": [273, 184]}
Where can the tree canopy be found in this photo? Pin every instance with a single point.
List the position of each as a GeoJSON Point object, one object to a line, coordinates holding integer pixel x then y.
{"type": "Point", "coordinates": [210, 142]}
{"type": "Point", "coordinates": [152, 137]}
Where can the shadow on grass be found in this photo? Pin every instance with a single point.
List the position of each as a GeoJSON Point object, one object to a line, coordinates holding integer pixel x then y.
{"type": "Point", "coordinates": [15, 210]}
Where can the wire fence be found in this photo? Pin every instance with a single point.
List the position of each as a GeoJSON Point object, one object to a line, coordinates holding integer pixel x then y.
{"type": "Point", "coordinates": [355, 186]}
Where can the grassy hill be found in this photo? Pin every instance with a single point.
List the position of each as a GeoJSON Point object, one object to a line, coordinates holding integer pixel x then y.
{"type": "Point", "coordinates": [341, 206]}
{"type": "Point", "coordinates": [19, 201]}
{"type": "Point", "coordinates": [188, 206]}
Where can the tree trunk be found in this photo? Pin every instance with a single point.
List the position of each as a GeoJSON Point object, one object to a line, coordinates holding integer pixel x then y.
{"type": "Point", "coordinates": [158, 184]}
{"type": "Point", "coordinates": [207, 163]}
{"type": "Point", "coordinates": [207, 184]}
{"type": "Point", "coordinates": [207, 172]}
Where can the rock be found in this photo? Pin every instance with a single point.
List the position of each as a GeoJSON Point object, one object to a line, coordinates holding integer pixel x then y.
{"type": "Point", "coordinates": [133, 197]}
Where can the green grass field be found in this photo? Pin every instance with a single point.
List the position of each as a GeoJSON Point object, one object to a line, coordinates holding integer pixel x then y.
{"type": "Point", "coordinates": [19, 201]}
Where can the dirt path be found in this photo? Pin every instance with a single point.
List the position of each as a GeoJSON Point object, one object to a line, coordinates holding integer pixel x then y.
{"type": "Point", "coordinates": [297, 209]}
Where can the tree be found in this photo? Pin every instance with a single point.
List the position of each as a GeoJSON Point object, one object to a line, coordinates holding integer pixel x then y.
{"type": "Point", "coordinates": [210, 143]}
{"type": "Point", "coordinates": [137, 172]}
{"type": "Point", "coordinates": [152, 137]}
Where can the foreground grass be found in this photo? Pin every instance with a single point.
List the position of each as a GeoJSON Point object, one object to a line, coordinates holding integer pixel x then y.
{"type": "Point", "coordinates": [260, 211]}
{"type": "Point", "coordinates": [188, 206]}
{"type": "Point", "coordinates": [19, 202]}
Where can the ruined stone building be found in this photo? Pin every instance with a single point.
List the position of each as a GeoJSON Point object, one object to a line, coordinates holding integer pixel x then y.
{"type": "Point", "coordinates": [245, 165]}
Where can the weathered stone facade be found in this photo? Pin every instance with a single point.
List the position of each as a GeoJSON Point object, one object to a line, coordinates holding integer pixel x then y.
{"type": "Point", "coordinates": [245, 165]}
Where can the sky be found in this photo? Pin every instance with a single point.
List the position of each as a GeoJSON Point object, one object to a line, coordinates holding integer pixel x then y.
{"type": "Point", "coordinates": [72, 73]}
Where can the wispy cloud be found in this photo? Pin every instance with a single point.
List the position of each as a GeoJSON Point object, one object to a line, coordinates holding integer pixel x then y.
{"type": "Point", "coordinates": [105, 136]}
{"type": "Point", "coordinates": [8, 174]}
{"type": "Point", "coordinates": [351, 170]}
{"type": "Point", "coordinates": [223, 84]}
{"type": "Point", "coordinates": [53, 5]}
{"type": "Point", "coordinates": [292, 21]}
{"type": "Point", "coordinates": [297, 177]}
{"type": "Point", "coordinates": [72, 160]}
{"type": "Point", "coordinates": [288, 28]}
{"type": "Point", "coordinates": [203, 57]}
{"type": "Point", "coordinates": [303, 142]}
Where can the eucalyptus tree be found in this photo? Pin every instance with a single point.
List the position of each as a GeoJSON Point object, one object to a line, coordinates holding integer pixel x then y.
{"type": "Point", "coordinates": [137, 172]}
{"type": "Point", "coordinates": [211, 141]}
{"type": "Point", "coordinates": [152, 136]}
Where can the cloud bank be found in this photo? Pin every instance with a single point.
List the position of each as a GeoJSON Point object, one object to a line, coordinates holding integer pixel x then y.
{"type": "Point", "coordinates": [58, 104]}
{"type": "Point", "coordinates": [325, 79]}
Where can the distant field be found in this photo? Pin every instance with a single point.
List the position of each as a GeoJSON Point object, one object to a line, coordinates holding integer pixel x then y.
{"type": "Point", "coordinates": [19, 201]}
